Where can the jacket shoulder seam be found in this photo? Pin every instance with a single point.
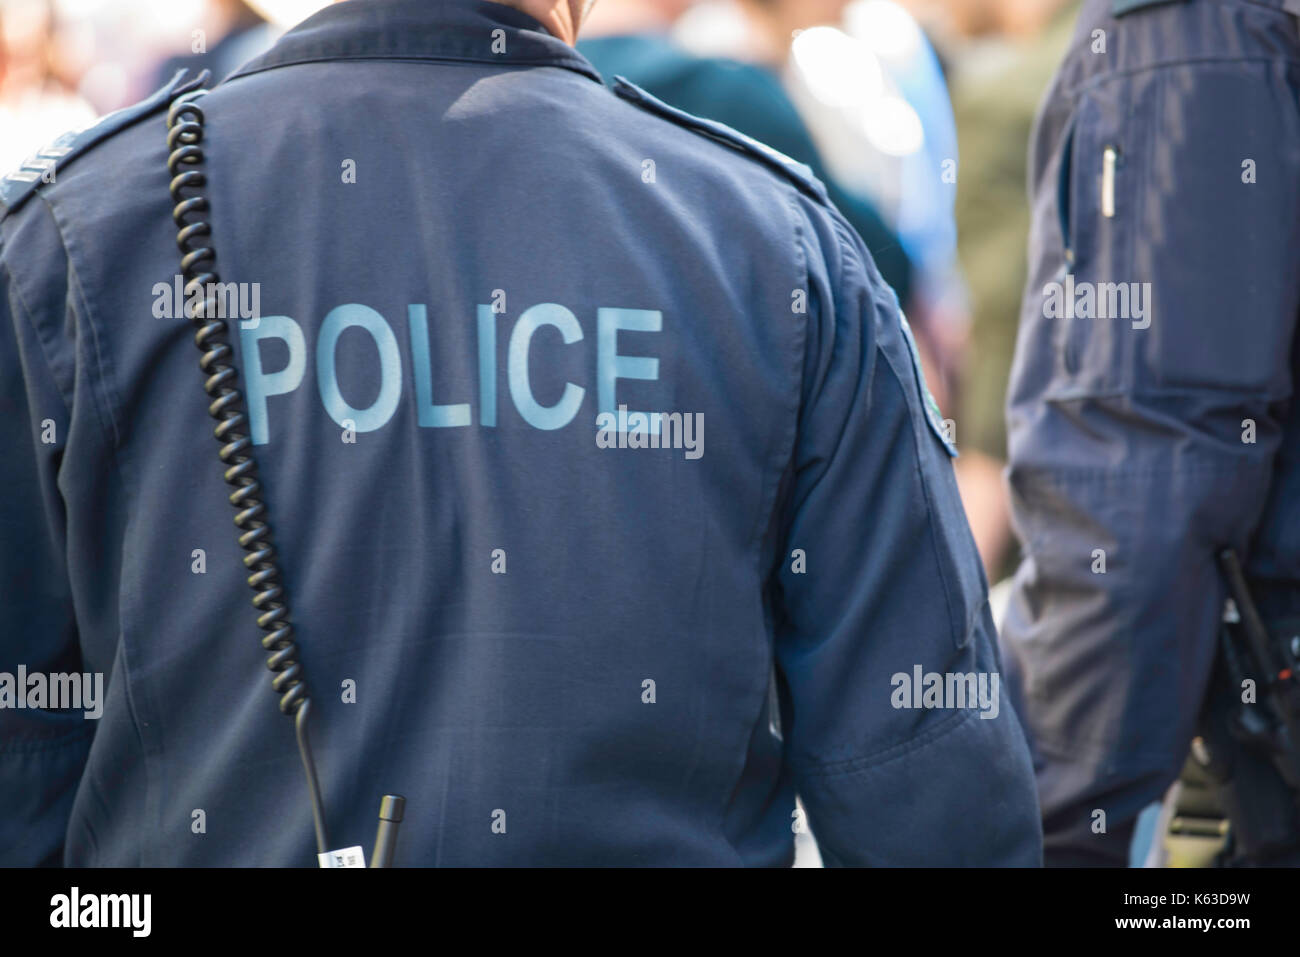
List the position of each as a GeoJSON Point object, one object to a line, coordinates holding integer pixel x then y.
{"type": "Point", "coordinates": [792, 170]}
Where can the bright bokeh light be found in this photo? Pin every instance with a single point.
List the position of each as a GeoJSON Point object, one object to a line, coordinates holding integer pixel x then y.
{"type": "Point", "coordinates": [893, 127]}
{"type": "Point", "coordinates": [845, 73]}
{"type": "Point", "coordinates": [886, 28]}
{"type": "Point", "coordinates": [839, 70]}
{"type": "Point", "coordinates": [286, 13]}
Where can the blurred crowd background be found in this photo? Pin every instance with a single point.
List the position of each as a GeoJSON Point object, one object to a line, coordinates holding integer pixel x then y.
{"type": "Point", "coordinates": [916, 113]}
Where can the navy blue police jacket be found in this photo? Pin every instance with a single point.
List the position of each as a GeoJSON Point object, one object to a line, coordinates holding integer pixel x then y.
{"type": "Point", "coordinates": [483, 308]}
{"type": "Point", "coordinates": [1150, 409]}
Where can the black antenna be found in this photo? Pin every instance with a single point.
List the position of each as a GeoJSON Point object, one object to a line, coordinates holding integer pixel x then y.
{"type": "Point", "coordinates": [390, 815]}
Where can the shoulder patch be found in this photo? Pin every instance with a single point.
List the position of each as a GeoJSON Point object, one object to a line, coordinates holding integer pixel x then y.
{"type": "Point", "coordinates": [1120, 7]}
{"type": "Point", "coordinates": [18, 186]}
{"type": "Point", "coordinates": [793, 170]}
{"type": "Point", "coordinates": [933, 416]}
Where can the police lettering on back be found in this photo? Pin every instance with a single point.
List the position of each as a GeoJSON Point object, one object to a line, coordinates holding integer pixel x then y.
{"type": "Point", "coordinates": [436, 409]}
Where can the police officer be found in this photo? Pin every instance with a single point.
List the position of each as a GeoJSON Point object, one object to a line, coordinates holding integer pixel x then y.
{"type": "Point", "coordinates": [481, 308]}
{"type": "Point", "coordinates": [1149, 405]}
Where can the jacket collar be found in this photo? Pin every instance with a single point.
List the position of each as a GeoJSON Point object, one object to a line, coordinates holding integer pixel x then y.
{"type": "Point", "coordinates": [463, 30]}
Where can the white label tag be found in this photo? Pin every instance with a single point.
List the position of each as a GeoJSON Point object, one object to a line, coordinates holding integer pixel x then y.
{"type": "Point", "coordinates": [1108, 181]}
{"type": "Point", "coordinates": [352, 856]}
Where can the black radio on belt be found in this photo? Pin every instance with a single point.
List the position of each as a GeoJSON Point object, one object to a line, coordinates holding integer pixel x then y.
{"type": "Point", "coordinates": [1249, 743]}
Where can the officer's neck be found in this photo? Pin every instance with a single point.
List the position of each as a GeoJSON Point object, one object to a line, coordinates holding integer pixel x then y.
{"type": "Point", "coordinates": [562, 18]}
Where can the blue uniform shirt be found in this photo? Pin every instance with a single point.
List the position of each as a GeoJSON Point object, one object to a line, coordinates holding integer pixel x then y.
{"type": "Point", "coordinates": [479, 271]}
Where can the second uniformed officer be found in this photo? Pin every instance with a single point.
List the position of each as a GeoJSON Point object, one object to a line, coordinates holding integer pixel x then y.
{"type": "Point", "coordinates": [482, 310]}
{"type": "Point", "coordinates": [1150, 406]}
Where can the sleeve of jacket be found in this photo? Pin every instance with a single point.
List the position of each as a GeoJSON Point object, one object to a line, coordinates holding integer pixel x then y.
{"type": "Point", "coordinates": [880, 583]}
{"type": "Point", "coordinates": [42, 752]}
{"type": "Point", "coordinates": [1145, 404]}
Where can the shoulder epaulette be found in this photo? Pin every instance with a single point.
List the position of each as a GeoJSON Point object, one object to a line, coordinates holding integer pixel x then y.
{"type": "Point", "coordinates": [18, 186]}
{"type": "Point", "coordinates": [793, 170]}
{"type": "Point", "coordinates": [1120, 7]}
